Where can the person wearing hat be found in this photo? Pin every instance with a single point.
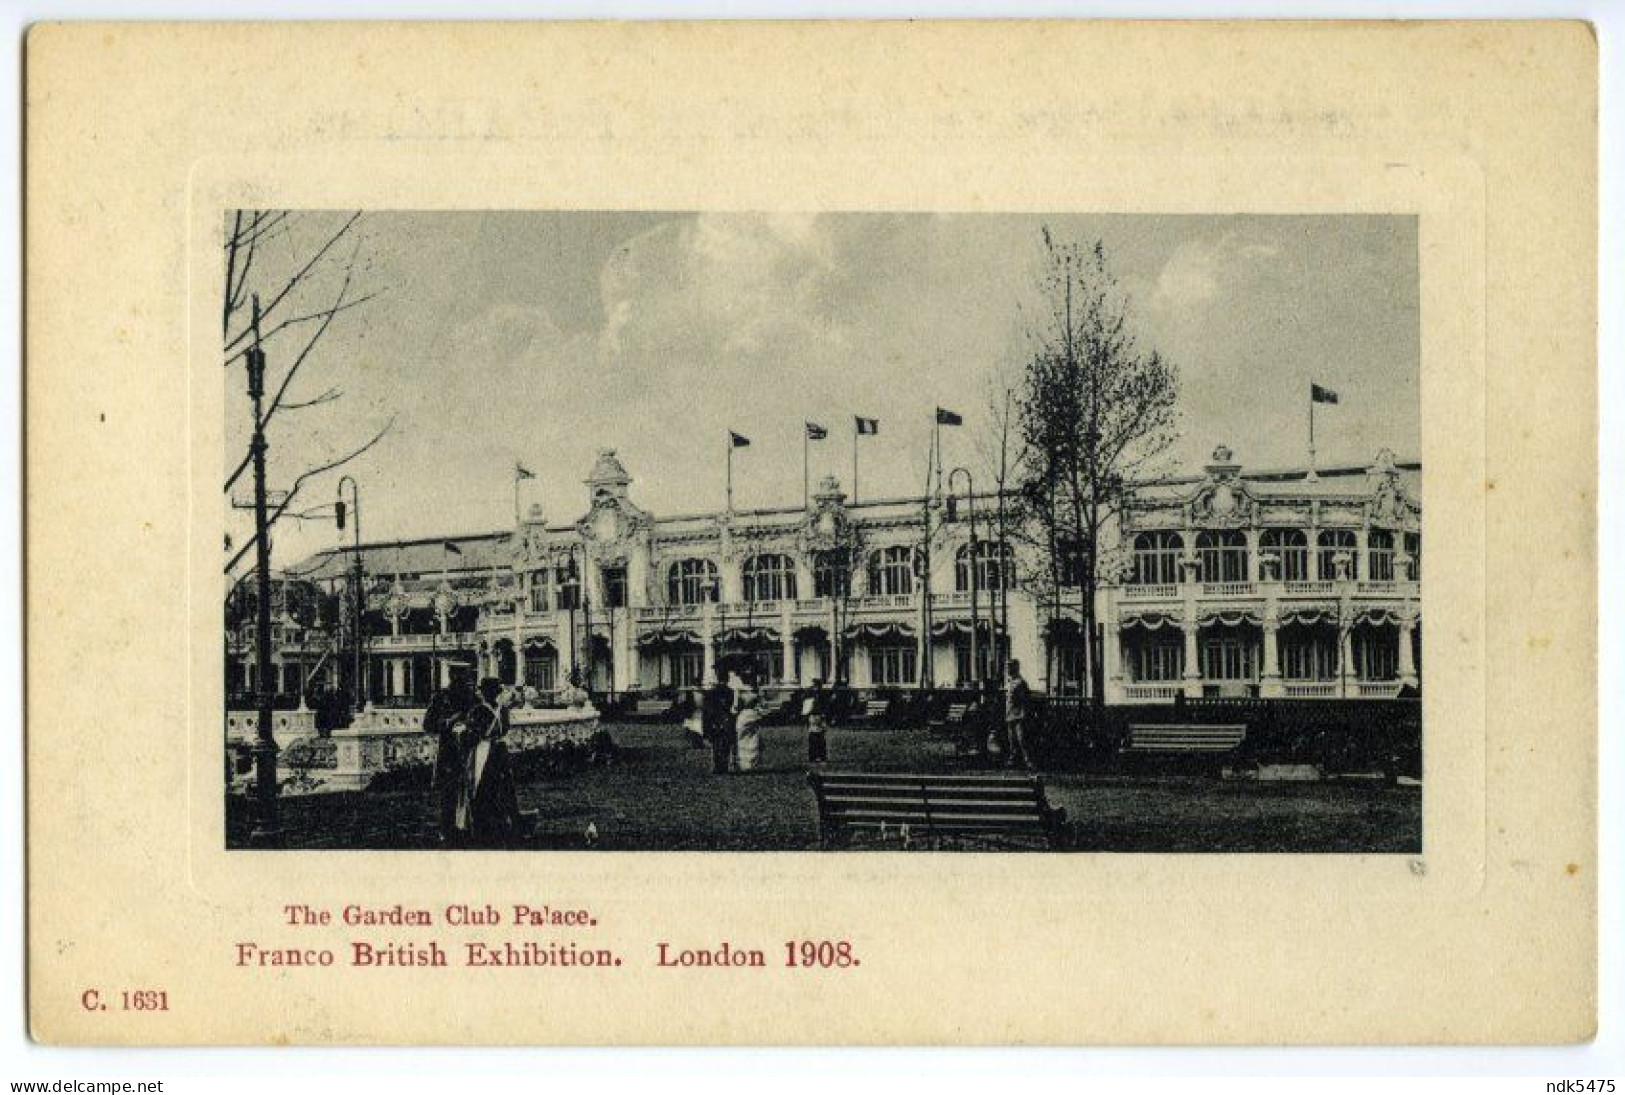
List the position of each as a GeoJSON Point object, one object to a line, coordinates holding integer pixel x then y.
{"type": "Point", "coordinates": [488, 813]}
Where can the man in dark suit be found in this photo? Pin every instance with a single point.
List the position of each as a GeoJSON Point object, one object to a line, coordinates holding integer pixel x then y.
{"type": "Point", "coordinates": [717, 721]}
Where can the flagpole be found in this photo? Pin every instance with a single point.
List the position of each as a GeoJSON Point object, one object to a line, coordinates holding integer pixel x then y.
{"type": "Point", "coordinates": [1314, 474]}
{"type": "Point", "coordinates": [936, 449]}
{"type": "Point", "coordinates": [854, 461]}
{"type": "Point", "coordinates": [806, 442]}
{"type": "Point", "coordinates": [730, 473]}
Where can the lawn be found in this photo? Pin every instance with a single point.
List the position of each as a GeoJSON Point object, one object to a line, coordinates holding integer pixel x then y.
{"type": "Point", "coordinates": [661, 795]}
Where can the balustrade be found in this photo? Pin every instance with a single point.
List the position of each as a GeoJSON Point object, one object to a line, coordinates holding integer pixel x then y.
{"type": "Point", "coordinates": [1229, 589]}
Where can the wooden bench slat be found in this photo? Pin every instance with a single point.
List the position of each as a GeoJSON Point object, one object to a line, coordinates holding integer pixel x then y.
{"type": "Point", "coordinates": [935, 805]}
{"type": "Point", "coordinates": [1185, 737]}
{"type": "Point", "coordinates": [894, 779]}
{"type": "Point", "coordinates": [1011, 809]}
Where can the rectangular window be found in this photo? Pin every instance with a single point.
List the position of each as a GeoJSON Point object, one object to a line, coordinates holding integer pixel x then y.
{"type": "Point", "coordinates": [541, 670]}
{"type": "Point", "coordinates": [688, 668]}
{"type": "Point", "coordinates": [569, 593]}
{"type": "Point", "coordinates": [1069, 668]}
{"type": "Point", "coordinates": [1228, 659]}
{"type": "Point", "coordinates": [1376, 656]}
{"type": "Point", "coordinates": [1413, 548]}
{"type": "Point", "coordinates": [765, 665]}
{"type": "Point", "coordinates": [1313, 659]}
{"type": "Point", "coordinates": [614, 580]}
{"type": "Point", "coordinates": [892, 664]}
{"type": "Point", "coordinates": [538, 591]}
{"type": "Point", "coordinates": [1158, 661]}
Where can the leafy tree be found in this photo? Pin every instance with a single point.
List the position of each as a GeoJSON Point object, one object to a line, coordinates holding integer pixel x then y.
{"type": "Point", "coordinates": [1095, 409]}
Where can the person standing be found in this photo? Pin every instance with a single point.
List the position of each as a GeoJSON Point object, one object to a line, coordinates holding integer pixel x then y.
{"type": "Point", "coordinates": [747, 731]}
{"type": "Point", "coordinates": [445, 718]}
{"type": "Point", "coordinates": [489, 808]}
{"type": "Point", "coordinates": [716, 721]}
{"type": "Point", "coordinates": [1017, 712]}
{"type": "Point", "coordinates": [816, 708]}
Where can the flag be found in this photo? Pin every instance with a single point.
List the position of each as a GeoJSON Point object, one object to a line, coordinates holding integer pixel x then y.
{"type": "Point", "coordinates": [451, 547]}
{"type": "Point", "coordinates": [948, 418]}
{"type": "Point", "coordinates": [815, 432]}
{"type": "Point", "coordinates": [522, 472]}
{"type": "Point", "coordinates": [866, 425]}
{"type": "Point", "coordinates": [1317, 394]}
{"type": "Point", "coordinates": [738, 440]}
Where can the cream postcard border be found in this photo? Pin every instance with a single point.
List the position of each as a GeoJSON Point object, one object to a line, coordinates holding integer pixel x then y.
{"type": "Point", "coordinates": [132, 884]}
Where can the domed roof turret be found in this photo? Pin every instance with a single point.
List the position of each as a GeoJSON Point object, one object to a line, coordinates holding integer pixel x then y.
{"type": "Point", "coordinates": [607, 470]}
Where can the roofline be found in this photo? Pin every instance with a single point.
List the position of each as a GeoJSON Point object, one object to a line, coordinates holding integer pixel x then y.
{"type": "Point", "coordinates": [1265, 474]}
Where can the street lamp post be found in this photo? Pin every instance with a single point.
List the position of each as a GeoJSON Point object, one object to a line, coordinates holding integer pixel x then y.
{"type": "Point", "coordinates": [359, 703]}
{"type": "Point", "coordinates": [265, 747]}
{"type": "Point", "coordinates": [975, 568]}
{"type": "Point", "coordinates": [573, 583]}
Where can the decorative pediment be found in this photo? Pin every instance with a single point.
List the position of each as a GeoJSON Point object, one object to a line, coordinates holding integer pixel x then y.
{"type": "Point", "coordinates": [827, 524]}
{"type": "Point", "coordinates": [610, 527]}
{"type": "Point", "coordinates": [1223, 503]}
{"type": "Point", "coordinates": [1390, 503]}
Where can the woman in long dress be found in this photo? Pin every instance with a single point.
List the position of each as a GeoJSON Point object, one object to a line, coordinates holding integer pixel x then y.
{"type": "Point", "coordinates": [488, 811]}
{"type": "Point", "coordinates": [748, 750]}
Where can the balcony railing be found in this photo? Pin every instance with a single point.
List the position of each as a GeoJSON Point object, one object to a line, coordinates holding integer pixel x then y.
{"type": "Point", "coordinates": [888, 600]}
{"type": "Point", "coordinates": [421, 642]}
{"type": "Point", "coordinates": [1313, 588]}
{"type": "Point", "coordinates": [1381, 588]}
{"type": "Point", "coordinates": [1229, 589]}
{"type": "Point", "coordinates": [1151, 691]}
{"type": "Point", "coordinates": [1377, 690]}
{"type": "Point", "coordinates": [1150, 593]}
{"type": "Point", "coordinates": [1309, 690]}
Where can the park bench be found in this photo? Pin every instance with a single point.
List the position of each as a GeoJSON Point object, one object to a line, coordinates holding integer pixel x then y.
{"type": "Point", "coordinates": [1182, 737]}
{"type": "Point", "coordinates": [951, 720]}
{"type": "Point", "coordinates": [873, 711]}
{"type": "Point", "coordinates": [651, 710]}
{"type": "Point", "coordinates": [929, 808]}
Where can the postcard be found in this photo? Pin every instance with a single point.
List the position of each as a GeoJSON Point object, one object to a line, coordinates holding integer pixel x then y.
{"type": "Point", "coordinates": [848, 533]}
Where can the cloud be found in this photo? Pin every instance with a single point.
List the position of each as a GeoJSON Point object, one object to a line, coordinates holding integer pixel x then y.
{"type": "Point", "coordinates": [1200, 271]}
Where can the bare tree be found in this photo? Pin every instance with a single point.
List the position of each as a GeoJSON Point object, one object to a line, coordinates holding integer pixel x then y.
{"type": "Point", "coordinates": [1094, 410]}
{"type": "Point", "coordinates": [300, 269]}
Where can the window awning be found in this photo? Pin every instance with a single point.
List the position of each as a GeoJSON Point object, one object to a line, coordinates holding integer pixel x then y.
{"type": "Point", "coordinates": [880, 631]}
{"type": "Point", "coordinates": [668, 637]}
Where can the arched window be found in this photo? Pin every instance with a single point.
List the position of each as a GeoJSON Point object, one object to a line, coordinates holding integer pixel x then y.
{"type": "Point", "coordinates": [691, 582]}
{"type": "Point", "coordinates": [1332, 543]}
{"type": "Point", "coordinates": [1379, 550]}
{"type": "Point", "coordinates": [891, 571]}
{"type": "Point", "coordinates": [1156, 558]}
{"type": "Point", "coordinates": [832, 573]}
{"type": "Point", "coordinates": [770, 578]}
{"type": "Point", "coordinates": [1223, 556]}
{"type": "Point", "coordinates": [1291, 546]}
{"type": "Point", "coordinates": [989, 573]}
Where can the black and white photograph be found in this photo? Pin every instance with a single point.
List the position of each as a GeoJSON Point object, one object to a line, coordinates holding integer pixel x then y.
{"type": "Point", "coordinates": [755, 531]}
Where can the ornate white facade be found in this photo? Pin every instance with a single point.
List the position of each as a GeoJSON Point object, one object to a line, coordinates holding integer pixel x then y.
{"type": "Point", "coordinates": [1275, 584]}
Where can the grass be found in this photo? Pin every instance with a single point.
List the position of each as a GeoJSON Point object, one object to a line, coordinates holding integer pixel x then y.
{"type": "Point", "coordinates": [661, 796]}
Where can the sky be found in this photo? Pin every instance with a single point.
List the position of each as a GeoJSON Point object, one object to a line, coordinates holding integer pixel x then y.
{"type": "Point", "coordinates": [542, 337]}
